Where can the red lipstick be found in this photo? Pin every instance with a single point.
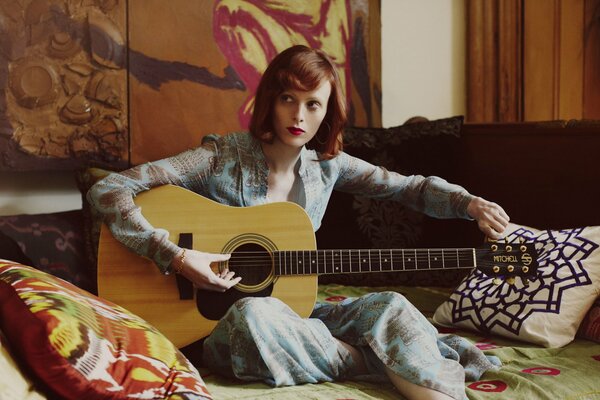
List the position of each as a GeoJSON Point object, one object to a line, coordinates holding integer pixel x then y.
{"type": "Point", "coordinates": [295, 131]}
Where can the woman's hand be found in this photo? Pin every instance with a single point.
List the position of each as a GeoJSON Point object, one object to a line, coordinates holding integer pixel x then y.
{"type": "Point", "coordinates": [196, 268]}
{"type": "Point", "coordinates": [490, 217]}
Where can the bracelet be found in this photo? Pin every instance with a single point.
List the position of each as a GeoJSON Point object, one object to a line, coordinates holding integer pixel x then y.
{"type": "Point", "coordinates": [179, 267]}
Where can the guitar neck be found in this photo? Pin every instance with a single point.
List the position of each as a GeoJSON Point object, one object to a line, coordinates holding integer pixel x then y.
{"type": "Point", "coordinates": [321, 262]}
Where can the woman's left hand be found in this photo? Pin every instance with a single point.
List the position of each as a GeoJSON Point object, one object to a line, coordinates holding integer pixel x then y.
{"type": "Point", "coordinates": [490, 217]}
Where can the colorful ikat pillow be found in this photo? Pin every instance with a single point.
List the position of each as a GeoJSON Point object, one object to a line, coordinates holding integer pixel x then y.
{"type": "Point", "coordinates": [546, 310]}
{"type": "Point", "coordinates": [80, 346]}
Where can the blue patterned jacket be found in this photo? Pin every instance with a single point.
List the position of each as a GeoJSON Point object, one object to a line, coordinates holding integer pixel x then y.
{"type": "Point", "coordinates": [232, 170]}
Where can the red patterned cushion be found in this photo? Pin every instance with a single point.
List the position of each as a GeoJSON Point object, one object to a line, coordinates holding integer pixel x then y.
{"type": "Point", "coordinates": [83, 347]}
{"type": "Point", "coordinates": [590, 327]}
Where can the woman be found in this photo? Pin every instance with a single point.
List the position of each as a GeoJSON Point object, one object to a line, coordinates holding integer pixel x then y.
{"type": "Point", "coordinates": [294, 153]}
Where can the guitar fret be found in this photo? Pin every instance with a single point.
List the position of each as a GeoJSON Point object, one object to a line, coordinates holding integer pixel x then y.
{"type": "Point", "coordinates": [363, 261]}
{"type": "Point", "coordinates": [422, 260]}
{"type": "Point", "coordinates": [457, 259]}
{"type": "Point", "coordinates": [385, 261]}
{"type": "Point", "coordinates": [279, 259]}
{"type": "Point", "coordinates": [307, 264]}
{"type": "Point", "coordinates": [309, 261]}
{"type": "Point", "coordinates": [436, 259]}
{"type": "Point", "coordinates": [403, 263]}
{"type": "Point", "coordinates": [412, 261]}
{"type": "Point", "coordinates": [428, 259]}
{"type": "Point", "coordinates": [317, 261]}
{"type": "Point", "coordinates": [348, 264]}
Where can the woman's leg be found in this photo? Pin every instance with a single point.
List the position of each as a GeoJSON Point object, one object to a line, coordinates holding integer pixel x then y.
{"type": "Point", "coordinates": [395, 338]}
{"type": "Point", "coordinates": [406, 388]}
{"type": "Point", "coordinates": [263, 339]}
{"type": "Point", "coordinates": [412, 391]}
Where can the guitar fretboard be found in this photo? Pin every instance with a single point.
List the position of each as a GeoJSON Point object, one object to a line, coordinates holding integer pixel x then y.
{"type": "Point", "coordinates": [321, 262]}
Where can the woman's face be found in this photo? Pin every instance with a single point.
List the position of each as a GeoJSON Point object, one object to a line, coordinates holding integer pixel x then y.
{"type": "Point", "coordinates": [298, 115]}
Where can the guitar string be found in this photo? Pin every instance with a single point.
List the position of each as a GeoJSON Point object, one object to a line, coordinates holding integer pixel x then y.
{"type": "Point", "coordinates": [394, 264]}
{"type": "Point", "coordinates": [375, 261]}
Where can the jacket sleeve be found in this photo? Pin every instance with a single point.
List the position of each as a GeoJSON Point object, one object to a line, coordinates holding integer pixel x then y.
{"type": "Point", "coordinates": [113, 198]}
{"type": "Point", "coordinates": [431, 195]}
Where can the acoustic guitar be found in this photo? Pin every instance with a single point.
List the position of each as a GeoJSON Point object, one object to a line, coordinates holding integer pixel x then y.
{"type": "Point", "coordinates": [273, 248]}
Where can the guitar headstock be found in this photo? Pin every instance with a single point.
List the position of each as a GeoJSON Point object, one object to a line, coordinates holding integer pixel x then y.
{"type": "Point", "coordinates": [507, 260]}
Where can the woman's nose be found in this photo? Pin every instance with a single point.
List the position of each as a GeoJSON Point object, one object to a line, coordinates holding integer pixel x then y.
{"type": "Point", "coordinates": [299, 115]}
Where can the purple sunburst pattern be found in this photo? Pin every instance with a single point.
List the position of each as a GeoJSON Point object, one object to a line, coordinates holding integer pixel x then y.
{"type": "Point", "coordinates": [561, 256]}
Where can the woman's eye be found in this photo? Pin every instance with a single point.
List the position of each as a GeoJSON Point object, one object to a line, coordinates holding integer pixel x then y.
{"type": "Point", "coordinates": [286, 98]}
{"type": "Point", "coordinates": [313, 105]}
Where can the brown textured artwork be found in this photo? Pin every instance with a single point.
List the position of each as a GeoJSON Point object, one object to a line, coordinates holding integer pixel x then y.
{"type": "Point", "coordinates": [63, 78]}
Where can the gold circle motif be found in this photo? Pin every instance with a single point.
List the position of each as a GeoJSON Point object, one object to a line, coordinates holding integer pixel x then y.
{"type": "Point", "coordinates": [34, 83]}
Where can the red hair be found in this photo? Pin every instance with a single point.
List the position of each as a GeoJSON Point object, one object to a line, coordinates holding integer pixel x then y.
{"type": "Point", "coordinates": [301, 68]}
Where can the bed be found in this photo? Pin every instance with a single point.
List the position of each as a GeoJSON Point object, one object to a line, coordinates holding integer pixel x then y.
{"type": "Point", "coordinates": [544, 174]}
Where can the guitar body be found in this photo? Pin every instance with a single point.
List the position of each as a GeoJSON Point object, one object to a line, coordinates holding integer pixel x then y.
{"type": "Point", "coordinates": [135, 283]}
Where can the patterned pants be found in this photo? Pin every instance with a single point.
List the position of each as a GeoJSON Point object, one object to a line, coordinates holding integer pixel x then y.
{"type": "Point", "coordinates": [263, 339]}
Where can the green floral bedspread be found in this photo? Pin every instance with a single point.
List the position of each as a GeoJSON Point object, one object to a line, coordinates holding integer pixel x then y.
{"type": "Point", "coordinates": [529, 372]}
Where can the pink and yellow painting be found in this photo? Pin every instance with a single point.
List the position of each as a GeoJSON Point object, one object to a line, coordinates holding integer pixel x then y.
{"type": "Point", "coordinates": [196, 70]}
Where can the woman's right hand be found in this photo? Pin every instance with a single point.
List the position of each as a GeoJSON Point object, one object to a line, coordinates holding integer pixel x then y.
{"type": "Point", "coordinates": [196, 268]}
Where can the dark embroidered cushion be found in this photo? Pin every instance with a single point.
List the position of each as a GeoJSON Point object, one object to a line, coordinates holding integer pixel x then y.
{"type": "Point", "coordinates": [420, 148]}
{"type": "Point", "coordinates": [549, 308]}
{"type": "Point", "coordinates": [53, 243]}
{"type": "Point", "coordinates": [590, 327]}
{"type": "Point", "coordinates": [10, 250]}
{"type": "Point", "coordinates": [83, 347]}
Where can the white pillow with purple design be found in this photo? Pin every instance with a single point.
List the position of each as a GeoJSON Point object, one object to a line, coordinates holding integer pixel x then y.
{"type": "Point", "coordinates": [545, 310]}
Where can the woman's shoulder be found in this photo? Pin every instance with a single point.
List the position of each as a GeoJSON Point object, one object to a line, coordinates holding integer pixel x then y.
{"type": "Point", "coordinates": [226, 139]}
{"type": "Point", "coordinates": [230, 142]}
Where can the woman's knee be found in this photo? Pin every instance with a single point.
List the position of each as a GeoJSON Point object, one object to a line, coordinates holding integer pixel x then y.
{"type": "Point", "coordinates": [254, 307]}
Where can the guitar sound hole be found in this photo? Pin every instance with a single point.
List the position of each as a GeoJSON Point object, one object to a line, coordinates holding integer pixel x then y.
{"type": "Point", "coordinates": [252, 262]}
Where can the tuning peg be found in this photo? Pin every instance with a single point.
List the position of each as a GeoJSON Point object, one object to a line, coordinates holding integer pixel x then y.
{"type": "Point", "coordinates": [497, 281]}
{"type": "Point", "coordinates": [510, 280]}
{"type": "Point", "coordinates": [490, 240]}
{"type": "Point", "coordinates": [525, 281]}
